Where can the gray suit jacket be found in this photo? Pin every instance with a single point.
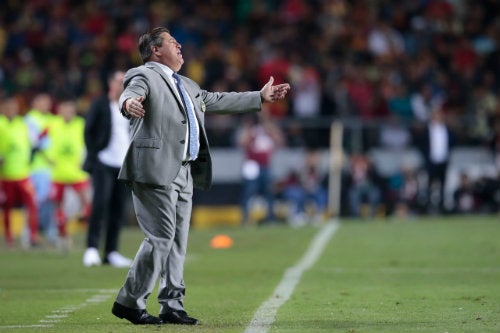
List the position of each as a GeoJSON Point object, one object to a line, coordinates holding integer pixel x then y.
{"type": "Point", "coordinates": [157, 140]}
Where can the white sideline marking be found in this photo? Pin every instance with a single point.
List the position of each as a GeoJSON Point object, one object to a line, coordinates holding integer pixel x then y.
{"type": "Point", "coordinates": [26, 326]}
{"type": "Point", "coordinates": [59, 314]}
{"type": "Point", "coordinates": [266, 313]}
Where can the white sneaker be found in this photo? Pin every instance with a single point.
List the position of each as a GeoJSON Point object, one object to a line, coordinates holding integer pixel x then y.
{"type": "Point", "coordinates": [91, 257]}
{"type": "Point", "coordinates": [115, 259]}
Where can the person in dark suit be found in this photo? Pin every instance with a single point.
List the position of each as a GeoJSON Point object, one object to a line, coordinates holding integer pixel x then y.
{"type": "Point", "coordinates": [106, 139]}
{"type": "Point", "coordinates": [168, 156]}
{"type": "Point", "coordinates": [435, 142]}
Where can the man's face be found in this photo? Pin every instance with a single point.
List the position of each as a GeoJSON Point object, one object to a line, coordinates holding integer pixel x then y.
{"type": "Point", "coordinates": [67, 110]}
{"type": "Point", "coordinates": [42, 103]}
{"type": "Point", "coordinates": [169, 53]}
{"type": "Point", "coordinates": [10, 108]}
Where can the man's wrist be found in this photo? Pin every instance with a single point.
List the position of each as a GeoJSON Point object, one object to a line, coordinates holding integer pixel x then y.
{"type": "Point", "coordinates": [124, 111]}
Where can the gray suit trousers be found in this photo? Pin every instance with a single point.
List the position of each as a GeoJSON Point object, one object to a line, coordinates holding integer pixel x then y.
{"type": "Point", "coordinates": [164, 216]}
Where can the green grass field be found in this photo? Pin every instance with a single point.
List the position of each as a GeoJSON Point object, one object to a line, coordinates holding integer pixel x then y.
{"type": "Point", "coordinates": [429, 275]}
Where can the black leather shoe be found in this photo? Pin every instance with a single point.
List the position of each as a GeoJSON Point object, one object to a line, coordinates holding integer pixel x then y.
{"type": "Point", "coordinates": [136, 317]}
{"type": "Point", "coordinates": [178, 317]}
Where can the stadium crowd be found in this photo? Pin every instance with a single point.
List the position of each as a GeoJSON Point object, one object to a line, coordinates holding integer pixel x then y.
{"type": "Point", "coordinates": [382, 66]}
{"type": "Point", "coordinates": [365, 59]}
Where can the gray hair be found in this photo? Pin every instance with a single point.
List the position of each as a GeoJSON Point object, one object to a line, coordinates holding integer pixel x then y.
{"type": "Point", "coordinates": [150, 39]}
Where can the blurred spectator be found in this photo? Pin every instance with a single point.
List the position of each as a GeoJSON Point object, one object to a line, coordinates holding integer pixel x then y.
{"type": "Point", "coordinates": [305, 188]}
{"type": "Point", "coordinates": [219, 126]}
{"type": "Point", "coordinates": [483, 108]}
{"type": "Point", "coordinates": [495, 143]}
{"type": "Point", "coordinates": [464, 198]}
{"type": "Point", "coordinates": [66, 154]}
{"type": "Point", "coordinates": [306, 98]}
{"type": "Point", "coordinates": [394, 134]}
{"type": "Point", "coordinates": [385, 41]}
{"type": "Point", "coordinates": [487, 191]}
{"type": "Point", "coordinates": [295, 135]}
{"type": "Point", "coordinates": [107, 139]}
{"type": "Point", "coordinates": [361, 93]}
{"type": "Point", "coordinates": [464, 58]}
{"type": "Point", "coordinates": [214, 63]}
{"type": "Point", "coordinates": [307, 91]}
{"type": "Point", "coordinates": [400, 103]}
{"type": "Point", "coordinates": [38, 119]}
{"type": "Point", "coordinates": [404, 193]}
{"type": "Point", "coordinates": [259, 137]}
{"type": "Point", "coordinates": [435, 142]}
{"type": "Point", "coordinates": [423, 101]}
{"type": "Point", "coordinates": [275, 63]}
{"type": "Point", "coordinates": [15, 159]}
{"type": "Point", "coordinates": [363, 187]}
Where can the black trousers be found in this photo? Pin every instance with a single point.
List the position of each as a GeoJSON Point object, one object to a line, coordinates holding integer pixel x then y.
{"type": "Point", "coordinates": [108, 206]}
{"type": "Point", "coordinates": [437, 173]}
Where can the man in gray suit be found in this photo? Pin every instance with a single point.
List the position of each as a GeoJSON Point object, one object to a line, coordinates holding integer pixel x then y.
{"type": "Point", "coordinates": [167, 156]}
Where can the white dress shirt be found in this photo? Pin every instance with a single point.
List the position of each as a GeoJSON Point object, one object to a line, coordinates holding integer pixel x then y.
{"type": "Point", "coordinates": [438, 138]}
{"type": "Point", "coordinates": [114, 154]}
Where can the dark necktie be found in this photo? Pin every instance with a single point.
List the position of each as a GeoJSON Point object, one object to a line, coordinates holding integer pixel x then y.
{"type": "Point", "coordinates": [193, 130]}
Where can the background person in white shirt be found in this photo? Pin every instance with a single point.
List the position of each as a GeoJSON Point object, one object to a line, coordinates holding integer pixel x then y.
{"type": "Point", "coordinates": [435, 143]}
{"type": "Point", "coordinates": [107, 139]}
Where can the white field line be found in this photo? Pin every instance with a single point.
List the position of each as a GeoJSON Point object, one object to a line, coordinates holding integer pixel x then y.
{"type": "Point", "coordinates": [58, 315]}
{"type": "Point", "coordinates": [266, 313]}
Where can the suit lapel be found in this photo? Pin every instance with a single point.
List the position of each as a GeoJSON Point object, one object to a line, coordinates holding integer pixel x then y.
{"type": "Point", "coordinates": [192, 95]}
{"type": "Point", "coordinates": [172, 88]}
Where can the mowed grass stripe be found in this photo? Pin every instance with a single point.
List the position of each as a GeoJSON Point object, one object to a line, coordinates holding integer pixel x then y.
{"type": "Point", "coordinates": [265, 315]}
{"type": "Point", "coordinates": [424, 276]}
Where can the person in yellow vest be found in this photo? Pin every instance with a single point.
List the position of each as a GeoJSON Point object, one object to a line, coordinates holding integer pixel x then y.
{"type": "Point", "coordinates": [38, 120]}
{"type": "Point", "coordinates": [3, 120]}
{"type": "Point", "coordinates": [66, 154]}
{"type": "Point", "coordinates": [15, 155]}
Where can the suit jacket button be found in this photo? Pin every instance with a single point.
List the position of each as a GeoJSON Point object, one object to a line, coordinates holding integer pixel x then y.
{"type": "Point", "coordinates": [183, 141]}
{"type": "Point", "coordinates": [184, 121]}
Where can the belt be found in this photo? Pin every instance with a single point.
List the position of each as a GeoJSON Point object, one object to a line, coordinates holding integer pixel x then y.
{"type": "Point", "coordinates": [185, 163]}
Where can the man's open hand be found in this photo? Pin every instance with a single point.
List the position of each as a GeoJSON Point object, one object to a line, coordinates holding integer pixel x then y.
{"type": "Point", "coordinates": [270, 93]}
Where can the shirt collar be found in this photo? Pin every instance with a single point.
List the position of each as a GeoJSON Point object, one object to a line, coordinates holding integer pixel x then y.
{"type": "Point", "coordinates": [167, 70]}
